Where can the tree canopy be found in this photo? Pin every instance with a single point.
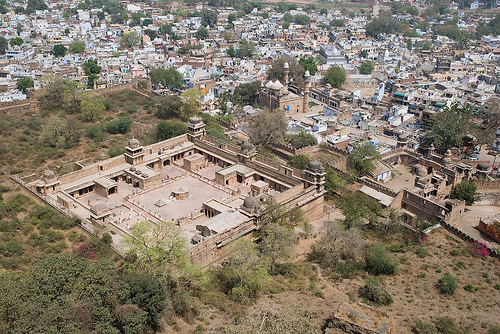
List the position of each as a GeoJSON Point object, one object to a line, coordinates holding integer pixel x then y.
{"type": "Point", "coordinates": [74, 294]}
{"type": "Point", "coordinates": [169, 77]}
{"type": "Point", "coordinates": [363, 158]}
{"type": "Point", "coordinates": [357, 206]}
{"type": "Point", "coordinates": [309, 64]}
{"type": "Point", "coordinates": [59, 50]}
{"type": "Point", "coordinates": [246, 49]}
{"type": "Point", "coordinates": [167, 130]}
{"type": "Point", "coordinates": [77, 47]}
{"type": "Point", "coordinates": [268, 128]}
{"type": "Point", "coordinates": [465, 191]}
{"type": "Point", "coordinates": [24, 83]}
{"type": "Point", "coordinates": [131, 39]}
{"type": "Point", "coordinates": [335, 76]}
{"type": "Point", "coordinates": [447, 128]}
{"type": "Point", "coordinates": [246, 94]}
{"type": "Point", "coordinates": [366, 67]}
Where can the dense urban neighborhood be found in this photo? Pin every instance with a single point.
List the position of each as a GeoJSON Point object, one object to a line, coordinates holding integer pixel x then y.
{"type": "Point", "coordinates": [234, 166]}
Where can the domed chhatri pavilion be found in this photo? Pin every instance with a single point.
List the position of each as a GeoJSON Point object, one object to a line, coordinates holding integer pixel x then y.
{"type": "Point", "coordinates": [213, 190]}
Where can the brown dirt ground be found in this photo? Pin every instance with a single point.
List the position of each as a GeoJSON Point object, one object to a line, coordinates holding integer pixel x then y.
{"type": "Point", "coordinates": [413, 289]}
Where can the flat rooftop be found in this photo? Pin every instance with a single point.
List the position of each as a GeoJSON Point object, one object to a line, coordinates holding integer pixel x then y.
{"type": "Point", "coordinates": [199, 192]}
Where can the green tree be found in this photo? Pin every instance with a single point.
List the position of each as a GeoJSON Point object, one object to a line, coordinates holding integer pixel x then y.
{"type": "Point", "coordinates": [246, 94]}
{"type": "Point", "coordinates": [379, 261]}
{"type": "Point", "coordinates": [130, 40]}
{"type": "Point", "coordinates": [24, 83]}
{"type": "Point", "coordinates": [265, 15]}
{"type": "Point", "coordinates": [364, 157]}
{"type": "Point", "coordinates": [309, 64]}
{"type": "Point", "coordinates": [91, 108]}
{"type": "Point", "coordinates": [201, 33]}
{"type": "Point", "coordinates": [157, 249]}
{"type": "Point", "coordinates": [375, 293]}
{"type": "Point", "coordinates": [383, 24]}
{"type": "Point", "coordinates": [167, 130]}
{"type": "Point", "coordinates": [59, 50]}
{"type": "Point", "coordinates": [447, 284]}
{"type": "Point", "coordinates": [58, 132]}
{"type": "Point", "coordinates": [302, 140]}
{"type": "Point", "coordinates": [77, 47]}
{"type": "Point", "coordinates": [192, 103]}
{"type": "Point", "coordinates": [169, 77]}
{"type": "Point", "coordinates": [92, 70]}
{"type": "Point", "coordinates": [302, 20]}
{"type": "Point", "coordinates": [356, 207]}
{"type": "Point", "coordinates": [121, 125]}
{"type": "Point", "coordinates": [151, 33]}
{"type": "Point", "coordinates": [245, 273]}
{"type": "Point", "coordinates": [169, 106]}
{"type": "Point", "coordinates": [278, 238]}
{"type": "Point", "coordinates": [16, 41]}
{"type": "Point", "coordinates": [299, 161]}
{"type": "Point", "coordinates": [3, 45]}
{"type": "Point", "coordinates": [210, 17]}
{"type": "Point", "coordinates": [231, 52]}
{"type": "Point", "coordinates": [366, 67]}
{"type": "Point", "coordinates": [268, 128]}
{"type": "Point", "coordinates": [246, 49]}
{"type": "Point", "coordinates": [335, 76]}
{"type": "Point", "coordinates": [285, 25]}
{"type": "Point", "coordinates": [333, 180]}
{"type": "Point", "coordinates": [448, 128]}
{"type": "Point", "coordinates": [409, 44]}
{"type": "Point", "coordinates": [465, 191]}
{"type": "Point", "coordinates": [337, 23]}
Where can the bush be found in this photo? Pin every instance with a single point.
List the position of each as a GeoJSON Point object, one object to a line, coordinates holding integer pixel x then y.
{"type": "Point", "coordinates": [184, 305]}
{"type": "Point", "coordinates": [447, 284]}
{"type": "Point", "coordinates": [132, 108]}
{"type": "Point", "coordinates": [11, 248]}
{"type": "Point", "coordinates": [375, 293]}
{"type": "Point", "coordinates": [119, 126]}
{"type": "Point", "coordinates": [36, 240]}
{"type": "Point", "coordinates": [470, 288]}
{"type": "Point", "coordinates": [422, 252]}
{"type": "Point", "coordinates": [95, 132]}
{"type": "Point", "coordinates": [299, 161]}
{"type": "Point", "coordinates": [446, 325]}
{"type": "Point", "coordinates": [379, 261]}
{"type": "Point", "coordinates": [115, 151]}
{"type": "Point", "coordinates": [423, 328]}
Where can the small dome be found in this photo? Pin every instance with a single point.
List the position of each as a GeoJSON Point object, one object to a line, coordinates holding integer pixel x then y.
{"type": "Point", "coordinates": [48, 175]}
{"type": "Point", "coordinates": [315, 165]}
{"type": "Point", "coordinates": [251, 202]}
{"type": "Point", "coordinates": [246, 146]}
{"type": "Point", "coordinates": [483, 166]}
{"type": "Point", "coordinates": [447, 161]}
{"type": "Point", "coordinates": [307, 74]}
{"type": "Point", "coordinates": [286, 66]}
{"type": "Point", "coordinates": [134, 143]}
{"type": "Point", "coordinates": [195, 120]}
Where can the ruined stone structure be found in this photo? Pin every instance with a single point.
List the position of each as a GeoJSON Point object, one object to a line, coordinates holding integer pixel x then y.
{"type": "Point", "coordinates": [213, 190]}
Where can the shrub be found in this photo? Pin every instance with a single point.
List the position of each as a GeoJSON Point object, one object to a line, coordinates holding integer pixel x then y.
{"type": "Point", "coordinates": [379, 261]}
{"type": "Point", "coordinates": [36, 240]}
{"type": "Point", "coordinates": [115, 151]}
{"type": "Point", "coordinates": [85, 251]}
{"type": "Point", "coordinates": [132, 108]}
{"type": "Point", "coordinates": [447, 284]}
{"type": "Point", "coordinates": [184, 305]}
{"type": "Point", "coordinates": [95, 132]}
{"type": "Point", "coordinates": [423, 328]}
{"type": "Point", "coordinates": [455, 252]}
{"type": "Point", "coordinates": [375, 293]}
{"type": "Point", "coordinates": [446, 325]}
{"type": "Point", "coordinates": [422, 252]}
{"type": "Point", "coordinates": [470, 288]}
{"type": "Point", "coordinates": [318, 294]}
{"type": "Point", "coordinates": [494, 329]}
{"type": "Point", "coordinates": [119, 126]}
{"type": "Point", "coordinates": [11, 247]}
{"type": "Point", "coordinates": [478, 248]}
